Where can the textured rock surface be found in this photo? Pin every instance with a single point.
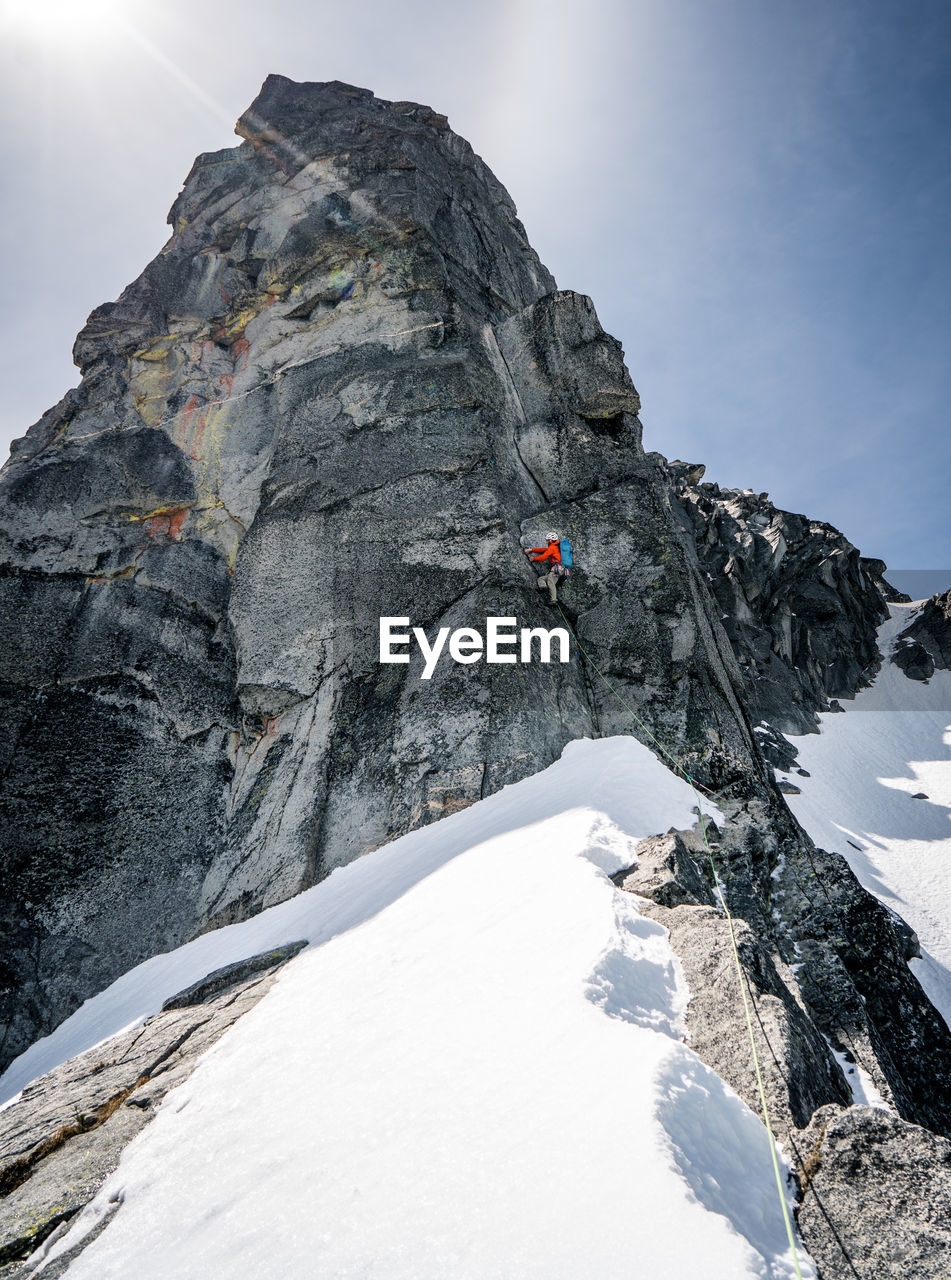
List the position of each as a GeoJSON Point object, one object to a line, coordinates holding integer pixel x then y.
{"type": "Point", "coordinates": [852, 954]}
{"type": "Point", "coordinates": [925, 645]}
{"type": "Point", "coordinates": [849, 954]}
{"type": "Point", "coordinates": [65, 1135]}
{"type": "Point", "coordinates": [346, 388]}
{"type": "Point", "coordinates": [799, 604]}
{"type": "Point", "coordinates": [825, 967]}
{"type": "Point", "coordinates": [799, 1074]}
{"type": "Point", "coordinates": [878, 1198]}
{"type": "Point", "coordinates": [667, 873]}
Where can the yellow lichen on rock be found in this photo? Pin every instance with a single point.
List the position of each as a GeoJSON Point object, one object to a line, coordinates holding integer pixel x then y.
{"type": "Point", "coordinates": [153, 376]}
{"type": "Point", "coordinates": [232, 328]}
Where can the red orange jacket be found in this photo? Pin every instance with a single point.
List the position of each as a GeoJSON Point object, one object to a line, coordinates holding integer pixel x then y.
{"type": "Point", "coordinates": [551, 552]}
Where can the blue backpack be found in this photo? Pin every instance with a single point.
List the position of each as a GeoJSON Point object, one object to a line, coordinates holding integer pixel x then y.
{"type": "Point", "coordinates": [566, 554]}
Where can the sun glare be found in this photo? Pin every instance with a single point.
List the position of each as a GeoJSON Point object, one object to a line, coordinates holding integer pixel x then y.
{"type": "Point", "coordinates": [60, 22]}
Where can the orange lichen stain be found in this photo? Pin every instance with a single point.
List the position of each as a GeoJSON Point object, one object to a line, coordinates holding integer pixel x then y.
{"type": "Point", "coordinates": [164, 522]}
{"type": "Point", "coordinates": [201, 348]}
{"type": "Point", "coordinates": [198, 435]}
{"type": "Point", "coordinates": [169, 526]}
{"type": "Point", "coordinates": [239, 362]}
{"type": "Point", "coordinates": [261, 729]}
{"type": "Point", "coordinates": [186, 415]}
{"type": "Point", "coordinates": [190, 428]}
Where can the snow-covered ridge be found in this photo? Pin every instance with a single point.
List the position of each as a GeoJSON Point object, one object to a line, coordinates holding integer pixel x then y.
{"type": "Point", "coordinates": [433, 1087]}
{"type": "Point", "coordinates": [617, 777]}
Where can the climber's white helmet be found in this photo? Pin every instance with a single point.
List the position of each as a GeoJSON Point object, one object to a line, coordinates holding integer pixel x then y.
{"type": "Point", "coordinates": [552, 537]}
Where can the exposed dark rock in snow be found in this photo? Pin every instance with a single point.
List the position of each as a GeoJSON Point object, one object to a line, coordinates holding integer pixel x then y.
{"type": "Point", "coordinates": [925, 645]}
{"type": "Point", "coordinates": [914, 659]}
{"type": "Point", "coordinates": [65, 1136]}
{"type": "Point", "coordinates": [854, 977]}
{"type": "Point", "coordinates": [849, 954]}
{"type": "Point", "coordinates": [825, 964]}
{"type": "Point", "coordinates": [667, 873]}
{"type": "Point", "coordinates": [799, 1073]}
{"type": "Point", "coordinates": [231, 974]}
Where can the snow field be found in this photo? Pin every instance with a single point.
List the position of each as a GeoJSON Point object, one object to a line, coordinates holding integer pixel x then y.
{"type": "Point", "coordinates": [475, 1070]}
{"type": "Point", "coordinates": [893, 741]}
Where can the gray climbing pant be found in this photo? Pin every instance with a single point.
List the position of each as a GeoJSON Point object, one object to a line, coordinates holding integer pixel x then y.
{"type": "Point", "coordinates": [551, 580]}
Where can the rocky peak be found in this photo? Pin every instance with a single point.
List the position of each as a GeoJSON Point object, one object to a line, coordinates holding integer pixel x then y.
{"type": "Point", "coordinates": [333, 191]}
{"type": "Point", "coordinates": [799, 603]}
{"type": "Point", "coordinates": [346, 389]}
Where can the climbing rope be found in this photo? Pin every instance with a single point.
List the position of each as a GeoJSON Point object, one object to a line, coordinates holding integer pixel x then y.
{"type": "Point", "coordinates": [760, 1086]}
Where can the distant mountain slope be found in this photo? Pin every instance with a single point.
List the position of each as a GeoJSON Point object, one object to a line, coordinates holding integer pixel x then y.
{"type": "Point", "coordinates": [880, 794]}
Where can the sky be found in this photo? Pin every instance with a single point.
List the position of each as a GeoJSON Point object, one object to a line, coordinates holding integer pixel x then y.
{"type": "Point", "coordinates": [755, 193]}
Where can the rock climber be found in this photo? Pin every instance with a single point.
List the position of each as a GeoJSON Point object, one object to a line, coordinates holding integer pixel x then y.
{"type": "Point", "coordinates": [557, 574]}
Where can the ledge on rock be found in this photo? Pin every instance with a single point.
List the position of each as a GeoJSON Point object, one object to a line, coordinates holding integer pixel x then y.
{"type": "Point", "coordinates": [231, 974]}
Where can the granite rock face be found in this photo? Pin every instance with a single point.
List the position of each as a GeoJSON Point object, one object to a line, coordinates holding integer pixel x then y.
{"type": "Point", "coordinates": [877, 1197]}
{"type": "Point", "coordinates": [832, 1001]}
{"type": "Point", "coordinates": [345, 389]}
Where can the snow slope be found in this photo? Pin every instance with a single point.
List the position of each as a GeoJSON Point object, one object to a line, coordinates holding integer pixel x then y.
{"type": "Point", "coordinates": [893, 742]}
{"type": "Point", "coordinates": [476, 1070]}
